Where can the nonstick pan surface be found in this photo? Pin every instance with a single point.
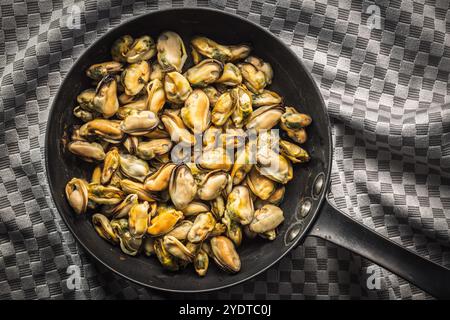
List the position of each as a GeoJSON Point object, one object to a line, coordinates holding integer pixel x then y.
{"type": "Point", "coordinates": [291, 80]}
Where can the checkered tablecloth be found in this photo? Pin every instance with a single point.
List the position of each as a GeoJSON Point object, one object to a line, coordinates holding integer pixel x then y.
{"type": "Point", "coordinates": [383, 69]}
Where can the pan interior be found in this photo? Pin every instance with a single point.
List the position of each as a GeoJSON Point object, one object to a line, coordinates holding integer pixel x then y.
{"type": "Point", "coordinates": [291, 81]}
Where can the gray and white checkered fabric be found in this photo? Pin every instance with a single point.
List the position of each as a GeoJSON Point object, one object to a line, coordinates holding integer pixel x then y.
{"type": "Point", "coordinates": [386, 90]}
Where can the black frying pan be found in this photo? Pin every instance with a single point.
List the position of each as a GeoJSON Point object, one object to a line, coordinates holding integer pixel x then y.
{"type": "Point", "coordinates": [305, 205]}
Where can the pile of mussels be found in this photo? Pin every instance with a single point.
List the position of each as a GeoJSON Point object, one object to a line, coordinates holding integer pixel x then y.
{"type": "Point", "coordinates": [145, 114]}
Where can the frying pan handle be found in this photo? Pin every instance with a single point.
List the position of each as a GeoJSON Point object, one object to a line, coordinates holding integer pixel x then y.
{"type": "Point", "coordinates": [336, 227]}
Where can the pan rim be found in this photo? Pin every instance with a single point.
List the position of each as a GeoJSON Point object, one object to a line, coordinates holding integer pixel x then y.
{"type": "Point", "coordinates": [292, 245]}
